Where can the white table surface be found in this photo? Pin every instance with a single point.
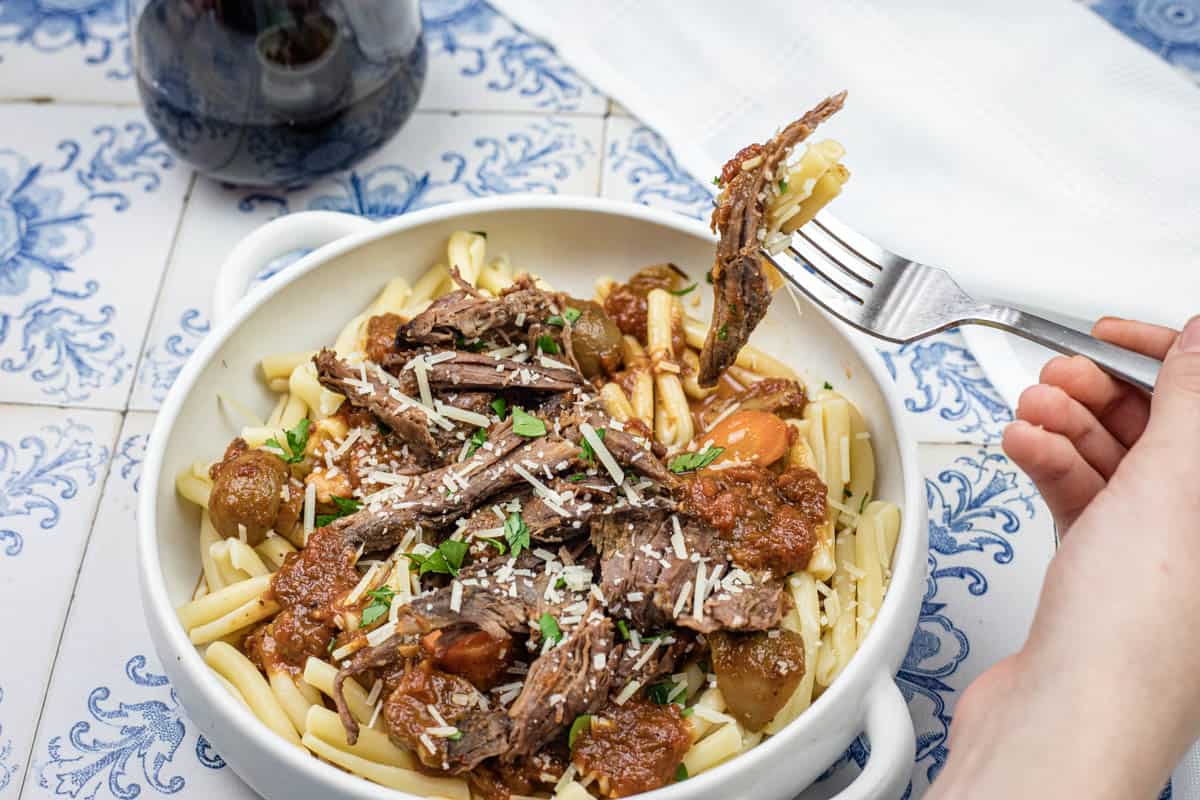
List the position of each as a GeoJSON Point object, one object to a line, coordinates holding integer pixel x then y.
{"type": "Point", "coordinates": [108, 251]}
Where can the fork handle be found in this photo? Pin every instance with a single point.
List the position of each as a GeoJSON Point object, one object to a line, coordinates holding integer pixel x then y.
{"type": "Point", "coordinates": [1131, 367]}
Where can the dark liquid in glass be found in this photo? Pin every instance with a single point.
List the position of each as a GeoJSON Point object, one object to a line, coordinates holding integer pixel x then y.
{"type": "Point", "coordinates": [278, 92]}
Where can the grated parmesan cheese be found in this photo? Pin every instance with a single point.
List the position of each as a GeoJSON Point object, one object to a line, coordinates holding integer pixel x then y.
{"type": "Point", "coordinates": [602, 453]}
{"type": "Point", "coordinates": [628, 692]}
{"type": "Point", "coordinates": [456, 591]}
{"type": "Point", "coordinates": [682, 601]}
{"type": "Point", "coordinates": [462, 415]}
{"type": "Point", "coordinates": [310, 510]}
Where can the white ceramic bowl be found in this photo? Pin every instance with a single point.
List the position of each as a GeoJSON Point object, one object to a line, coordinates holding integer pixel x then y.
{"type": "Point", "coordinates": [569, 241]}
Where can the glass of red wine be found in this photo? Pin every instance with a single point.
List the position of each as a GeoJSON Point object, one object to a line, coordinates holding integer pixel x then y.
{"type": "Point", "coordinates": [277, 92]}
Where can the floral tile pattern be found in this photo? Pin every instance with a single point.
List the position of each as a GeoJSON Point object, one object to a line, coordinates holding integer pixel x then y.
{"type": "Point", "coordinates": [53, 464]}
{"type": "Point", "coordinates": [1168, 28]}
{"type": "Point", "coordinates": [116, 729]}
{"type": "Point", "coordinates": [109, 250]}
{"type": "Point", "coordinates": [438, 158]}
{"type": "Point", "coordinates": [64, 178]}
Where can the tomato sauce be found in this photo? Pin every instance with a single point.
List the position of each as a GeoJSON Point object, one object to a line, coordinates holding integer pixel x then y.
{"type": "Point", "coordinates": [769, 520]}
{"type": "Point", "coordinates": [632, 748]}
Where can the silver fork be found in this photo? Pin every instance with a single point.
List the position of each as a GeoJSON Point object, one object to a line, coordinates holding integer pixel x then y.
{"type": "Point", "coordinates": [893, 298]}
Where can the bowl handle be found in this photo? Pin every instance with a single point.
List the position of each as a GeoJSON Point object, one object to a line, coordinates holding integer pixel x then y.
{"type": "Point", "coordinates": [280, 236]}
{"type": "Point", "coordinates": [893, 745]}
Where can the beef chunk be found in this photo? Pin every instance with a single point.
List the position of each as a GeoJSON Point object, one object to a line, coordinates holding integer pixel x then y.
{"type": "Point", "coordinates": [741, 292]}
{"type": "Point", "coordinates": [247, 488]}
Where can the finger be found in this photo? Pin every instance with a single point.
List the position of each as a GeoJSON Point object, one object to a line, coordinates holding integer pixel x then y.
{"type": "Point", "coordinates": [1141, 337]}
{"type": "Point", "coordinates": [1051, 408]}
{"type": "Point", "coordinates": [1175, 409]}
{"type": "Point", "coordinates": [1119, 407]}
{"type": "Point", "coordinates": [1066, 481]}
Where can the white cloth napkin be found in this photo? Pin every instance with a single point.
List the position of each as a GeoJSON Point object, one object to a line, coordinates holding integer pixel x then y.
{"type": "Point", "coordinates": [1041, 156]}
{"type": "Point", "coordinates": [1038, 154]}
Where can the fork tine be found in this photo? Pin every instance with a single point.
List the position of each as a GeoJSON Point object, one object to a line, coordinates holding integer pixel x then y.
{"type": "Point", "coordinates": [853, 241]}
{"type": "Point", "coordinates": [844, 259]}
{"type": "Point", "coordinates": [829, 295]}
{"type": "Point", "coordinates": [828, 268]}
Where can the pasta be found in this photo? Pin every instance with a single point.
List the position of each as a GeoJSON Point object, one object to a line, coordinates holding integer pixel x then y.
{"type": "Point", "coordinates": [318, 440]}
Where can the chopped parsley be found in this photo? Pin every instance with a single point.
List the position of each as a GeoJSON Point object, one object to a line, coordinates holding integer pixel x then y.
{"type": "Point", "coordinates": [662, 693]}
{"type": "Point", "coordinates": [582, 722]}
{"type": "Point", "coordinates": [446, 560]}
{"type": "Point", "coordinates": [846, 493]}
{"type": "Point", "coordinates": [500, 406]}
{"type": "Point", "coordinates": [297, 440]}
{"type": "Point", "coordinates": [708, 277]}
{"type": "Point", "coordinates": [863, 503]}
{"type": "Point", "coordinates": [687, 462]}
{"type": "Point", "coordinates": [585, 448]}
{"type": "Point", "coordinates": [716, 180]}
{"type": "Point", "coordinates": [454, 737]}
{"type": "Point", "coordinates": [561, 583]}
{"type": "Point", "coordinates": [344, 506]}
{"type": "Point", "coordinates": [623, 629]}
{"type": "Point", "coordinates": [782, 185]}
{"type": "Point", "coordinates": [332, 642]}
{"type": "Point", "coordinates": [828, 386]}
{"type": "Point", "coordinates": [550, 630]}
{"type": "Point", "coordinates": [547, 345]}
{"type": "Point", "coordinates": [687, 712]}
{"type": "Point", "coordinates": [477, 440]}
{"type": "Point", "coordinates": [682, 292]}
{"type": "Point", "coordinates": [569, 316]}
{"type": "Point", "coordinates": [577, 477]}
{"type": "Point", "coordinates": [496, 543]}
{"type": "Point", "coordinates": [381, 601]}
{"type": "Point", "coordinates": [681, 773]}
{"type": "Point", "coordinates": [525, 424]}
{"type": "Point", "coordinates": [723, 332]}
{"type": "Point", "coordinates": [462, 344]}
{"type": "Point", "coordinates": [516, 533]}
{"type": "Point", "coordinates": [480, 233]}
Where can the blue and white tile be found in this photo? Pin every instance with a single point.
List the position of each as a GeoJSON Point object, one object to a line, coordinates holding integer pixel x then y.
{"type": "Point", "coordinates": [480, 61]}
{"type": "Point", "coordinates": [1168, 28]}
{"type": "Point", "coordinates": [945, 390]}
{"type": "Point", "coordinates": [990, 540]}
{"type": "Point", "coordinates": [116, 728]}
{"type": "Point", "coordinates": [436, 159]}
{"type": "Point", "coordinates": [68, 50]}
{"type": "Point", "coordinates": [640, 167]}
{"type": "Point", "coordinates": [89, 202]}
{"type": "Point", "coordinates": [53, 464]}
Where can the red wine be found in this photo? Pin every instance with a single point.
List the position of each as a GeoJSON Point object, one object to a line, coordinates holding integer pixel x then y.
{"type": "Point", "coordinates": [277, 92]}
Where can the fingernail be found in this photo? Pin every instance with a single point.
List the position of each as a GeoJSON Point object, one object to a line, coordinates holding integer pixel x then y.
{"type": "Point", "coordinates": [1189, 340]}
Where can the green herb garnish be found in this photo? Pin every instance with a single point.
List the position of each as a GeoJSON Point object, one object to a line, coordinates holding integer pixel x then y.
{"type": "Point", "coordinates": [623, 629]}
{"type": "Point", "coordinates": [687, 462]}
{"type": "Point", "coordinates": [681, 773]}
{"type": "Point", "coordinates": [846, 493]}
{"type": "Point", "coordinates": [708, 277]}
{"type": "Point", "coordinates": [345, 506]}
{"type": "Point", "coordinates": [577, 477]}
{"type": "Point", "coordinates": [550, 630]}
{"type": "Point", "coordinates": [577, 727]}
{"type": "Point", "coordinates": [782, 185]}
{"type": "Point", "coordinates": [828, 386]}
{"type": "Point", "coordinates": [585, 447]}
{"type": "Point", "coordinates": [687, 712]}
{"type": "Point", "coordinates": [496, 543]}
{"type": "Point", "coordinates": [682, 292]}
{"type": "Point", "coordinates": [723, 332]}
{"type": "Point", "coordinates": [660, 693]}
{"type": "Point", "coordinates": [568, 316]}
{"type": "Point", "coordinates": [447, 559]}
{"type": "Point", "coordinates": [480, 233]}
{"type": "Point", "coordinates": [546, 344]}
{"type": "Point", "coordinates": [863, 503]}
{"type": "Point", "coordinates": [500, 406]}
{"type": "Point", "coordinates": [716, 180]}
{"type": "Point", "coordinates": [477, 440]}
{"type": "Point", "coordinates": [516, 533]}
{"type": "Point", "coordinates": [462, 344]}
{"type": "Point", "coordinates": [454, 737]}
{"type": "Point", "coordinates": [524, 424]}
{"type": "Point", "coordinates": [381, 601]}
{"type": "Point", "coordinates": [332, 642]}
{"type": "Point", "coordinates": [297, 439]}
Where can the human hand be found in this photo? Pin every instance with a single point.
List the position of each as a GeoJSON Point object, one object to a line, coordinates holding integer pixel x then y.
{"type": "Point", "coordinates": [1105, 694]}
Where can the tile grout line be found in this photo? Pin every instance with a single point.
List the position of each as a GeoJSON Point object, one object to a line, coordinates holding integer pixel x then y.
{"type": "Point", "coordinates": [62, 631]}
{"type": "Point", "coordinates": [604, 123]}
{"type": "Point", "coordinates": [158, 291]}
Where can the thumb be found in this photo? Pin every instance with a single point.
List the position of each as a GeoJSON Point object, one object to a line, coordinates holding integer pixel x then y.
{"type": "Point", "coordinates": [1175, 407]}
